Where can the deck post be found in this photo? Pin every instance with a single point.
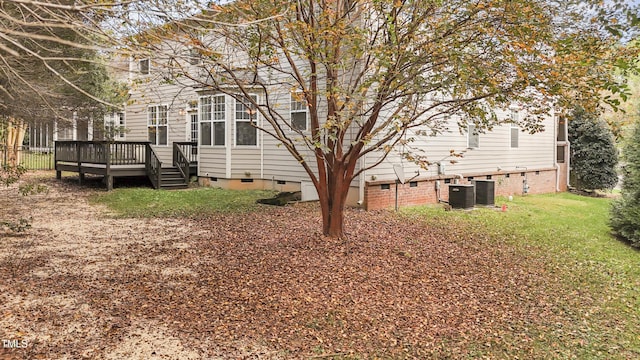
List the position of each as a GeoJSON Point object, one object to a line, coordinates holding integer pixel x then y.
{"type": "Point", "coordinates": [78, 153]}
{"type": "Point", "coordinates": [55, 157]}
{"type": "Point", "coordinates": [108, 166]}
{"type": "Point", "coordinates": [109, 182]}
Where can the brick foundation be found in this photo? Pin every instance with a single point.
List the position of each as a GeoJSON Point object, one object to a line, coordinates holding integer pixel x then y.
{"type": "Point", "coordinates": [382, 195]}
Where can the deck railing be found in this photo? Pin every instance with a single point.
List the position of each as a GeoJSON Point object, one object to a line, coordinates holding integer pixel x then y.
{"type": "Point", "coordinates": [189, 149]}
{"type": "Point", "coordinates": [101, 152]}
{"type": "Point", "coordinates": [181, 161]}
{"type": "Point", "coordinates": [153, 167]}
{"type": "Point", "coordinates": [83, 156]}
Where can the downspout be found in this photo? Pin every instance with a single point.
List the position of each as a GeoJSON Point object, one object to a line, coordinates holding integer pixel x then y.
{"type": "Point", "coordinates": [361, 180]}
{"type": "Point", "coordinates": [567, 156]}
{"type": "Point", "coordinates": [555, 153]}
{"type": "Point", "coordinates": [229, 106]}
{"type": "Point", "coordinates": [74, 136]}
{"type": "Point", "coordinates": [261, 142]}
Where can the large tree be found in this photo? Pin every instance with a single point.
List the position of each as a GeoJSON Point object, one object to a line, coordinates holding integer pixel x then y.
{"type": "Point", "coordinates": [369, 71]}
{"type": "Point", "coordinates": [593, 152]}
{"type": "Point", "coordinates": [52, 61]}
{"type": "Point", "coordinates": [625, 212]}
{"type": "Point", "coordinates": [51, 68]}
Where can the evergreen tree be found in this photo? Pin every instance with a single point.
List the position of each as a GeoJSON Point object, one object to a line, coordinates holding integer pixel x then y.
{"type": "Point", "coordinates": [593, 153]}
{"type": "Point", "coordinates": [625, 213]}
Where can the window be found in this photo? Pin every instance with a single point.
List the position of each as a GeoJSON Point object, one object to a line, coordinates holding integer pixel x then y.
{"type": "Point", "coordinates": [515, 136]}
{"type": "Point", "coordinates": [212, 120]}
{"type": "Point", "coordinates": [473, 137]}
{"type": "Point", "coordinates": [193, 123]}
{"type": "Point", "coordinates": [562, 128]}
{"type": "Point", "coordinates": [560, 154]}
{"type": "Point", "coordinates": [298, 111]}
{"type": "Point", "coordinates": [157, 124]}
{"type": "Point", "coordinates": [193, 56]}
{"type": "Point", "coordinates": [114, 126]}
{"type": "Point", "coordinates": [245, 117]}
{"type": "Point", "coordinates": [143, 66]}
{"type": "Point", "coordinates": [515, 131]}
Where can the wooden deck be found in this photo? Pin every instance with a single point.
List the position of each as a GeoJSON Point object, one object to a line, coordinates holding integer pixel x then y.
{"type": "Point", "coordinates": [124, 159]}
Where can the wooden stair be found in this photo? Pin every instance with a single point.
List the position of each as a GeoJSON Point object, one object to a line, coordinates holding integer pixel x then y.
{"type": "Point", "coordinates": [171, 179]}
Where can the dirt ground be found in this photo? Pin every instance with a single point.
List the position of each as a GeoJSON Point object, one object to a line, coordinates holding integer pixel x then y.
{"type": "Point", "coordinates": [81, 284]}
{"type": "Point", "coordinates": [71, 241]}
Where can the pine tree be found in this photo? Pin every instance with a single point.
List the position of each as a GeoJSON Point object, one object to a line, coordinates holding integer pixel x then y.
{"type": "Point", "coordinates": [593, 153]}
{"type": "Point", "coordinates": [625, 212]}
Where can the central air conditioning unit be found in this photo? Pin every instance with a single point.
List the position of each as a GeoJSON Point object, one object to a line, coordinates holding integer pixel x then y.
{"type": "Point", "coordinates": [485, 192]}
{"type": "Point", "coordinates": [462, 196]}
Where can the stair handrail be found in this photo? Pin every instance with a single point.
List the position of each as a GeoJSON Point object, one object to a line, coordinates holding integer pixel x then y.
{"type": "Point", "coordinates": [153, 167]}
{"type": "Point", "coordinates": [181, 162]}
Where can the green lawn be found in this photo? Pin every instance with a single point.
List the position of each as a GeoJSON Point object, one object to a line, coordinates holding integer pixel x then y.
{"type": "Point", "coordinates": [599, 275]}
{"type": "Point", "coordinates": [145, 202]}
{"type": "Point", "coordinates": [36, 160]}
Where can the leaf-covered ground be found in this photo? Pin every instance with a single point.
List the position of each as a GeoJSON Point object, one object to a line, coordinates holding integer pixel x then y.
{"type": "Point", "coordinates": [263, 285]}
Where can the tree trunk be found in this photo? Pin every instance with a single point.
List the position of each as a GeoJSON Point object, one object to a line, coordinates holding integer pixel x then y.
{"type": "Point", "coordinates": [333, 196]}
{"type": "Point", "coordinates": [333, 216]}
{"type": "Point", "coordinates": [15, 136]}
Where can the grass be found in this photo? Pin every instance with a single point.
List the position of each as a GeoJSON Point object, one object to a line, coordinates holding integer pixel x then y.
{"type": "Point", "coordinates": [598, 275]}
{"type": "Point", "coordinates": [144, 202]}
{"type": "Point", "coordinates": [37, 161]}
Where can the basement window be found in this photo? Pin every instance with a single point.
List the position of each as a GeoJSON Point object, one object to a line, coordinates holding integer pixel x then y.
{"type": "Point", "coordinates": [470, 178]}
{"type": "Point", "coordinates": [537, 172]}
{"type": "Point", "coordinates": [385, 187]}
{"type": "Point", "coordinates": [521, 174]}
{"type": "Point", "coordinates": [489, 177]}
{"type": "Point", "coordinates": [281, 182]}
{"type": "Point", "coordinates": [413, 184]}
{"type": "Point", "coordinates": [246, 180]}
{"type": "Point", "coordinates": [447, 181]}
{"type": "Point", "coordinates": [507, 175]}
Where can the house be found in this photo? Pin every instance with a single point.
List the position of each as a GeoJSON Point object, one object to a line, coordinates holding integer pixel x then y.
{"type": "Point", "coordinates": [233, 154]}
{"type": "Point", "coordinates": [216, 126]}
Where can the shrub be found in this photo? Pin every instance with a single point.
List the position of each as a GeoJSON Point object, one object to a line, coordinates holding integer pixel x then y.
{"type": "Point", "coordinates": [625, 212]}
{"type": "Point", "coordinates": [593, 153]}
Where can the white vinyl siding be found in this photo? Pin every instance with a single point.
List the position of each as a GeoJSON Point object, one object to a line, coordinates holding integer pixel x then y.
{"type": "Point", "coordinates": [157, 124]}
